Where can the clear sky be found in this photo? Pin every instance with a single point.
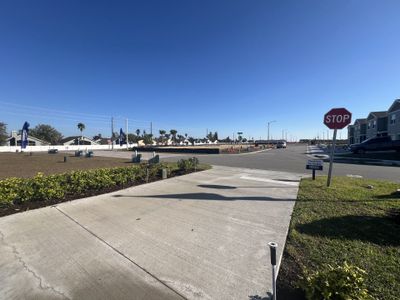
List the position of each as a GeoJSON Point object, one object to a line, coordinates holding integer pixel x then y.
{"type": "Point", "coordinates": [191, 65]}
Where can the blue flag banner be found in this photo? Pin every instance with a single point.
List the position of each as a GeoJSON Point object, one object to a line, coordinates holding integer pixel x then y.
{"type": "Point", "coordinates": [122, 137]}
{"type": "Point", "coordinates": [24, 135]}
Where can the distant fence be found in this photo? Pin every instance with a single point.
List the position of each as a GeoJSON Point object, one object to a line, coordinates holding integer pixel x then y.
{"type": "Point", "coordinates": [178, 150]}
{"type": "Point", "coordinates": [62, 148]}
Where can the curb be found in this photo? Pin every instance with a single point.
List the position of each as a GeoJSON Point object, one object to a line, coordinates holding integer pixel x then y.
{"type": "Point", "coordinates": [378, 162]}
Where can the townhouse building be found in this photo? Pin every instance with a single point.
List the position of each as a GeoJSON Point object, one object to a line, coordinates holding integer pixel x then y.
{"type": "Point", "coordinates": [376, 124]}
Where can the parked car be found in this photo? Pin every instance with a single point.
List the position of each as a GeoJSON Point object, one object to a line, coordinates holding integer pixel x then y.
{"type": "Point", "coordinates": [281, 144]}
{"type": "Point", "coordinates": [383, 143]}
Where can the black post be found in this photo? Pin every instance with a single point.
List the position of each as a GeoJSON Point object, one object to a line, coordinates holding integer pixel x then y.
{"type": "Point", "coordinates": [313, 174]}
{"type": "Point", "coordinates": [272, 248]}
{"type": "Point", "coordinates": [65, 159]}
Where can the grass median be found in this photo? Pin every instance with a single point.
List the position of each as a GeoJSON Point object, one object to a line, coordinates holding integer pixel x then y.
{"type": "Point", "coordinates": [354, 221]}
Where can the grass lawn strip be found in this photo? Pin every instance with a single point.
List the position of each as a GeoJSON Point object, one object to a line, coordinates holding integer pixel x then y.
{"type": "Point", "coordinates": [346, 222]}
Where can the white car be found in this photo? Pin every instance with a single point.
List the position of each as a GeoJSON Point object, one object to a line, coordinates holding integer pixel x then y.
{"type": "Point", "coordinates": [281, 144]}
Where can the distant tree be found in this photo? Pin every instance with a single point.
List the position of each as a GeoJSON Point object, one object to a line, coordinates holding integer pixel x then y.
{"type": "Point", "coordinates": [46, 133]}
{"type": "Point", "coordinates": [133, 138]}
{"type": "Point", "coordinates": [215, 136]}
{"type": "Point", "coordinates": [244, 140]}
{"type": "Point", "coordinates": [191, 140]}
{"type": "Point", "coordinates": [3, 133]}
{"type": "Point", "coordinates": [173, 132]}
{"type": "Point", "coordinates": [211, 136]}
{"type": "Point", "coordinates": [137, 132]}
{"type": "Point", "coordinates": [98, 136]}
{"type": "Point", "coordinates": [181, 138]}
{"type": "Point", "coordinates": [147, 139]}
{"type": "Point", "coordinates": [186, 135]}
{"type": "Point", "coordinates": [162, 132]}
{"type": "Point", "coordinates": [227, 140]}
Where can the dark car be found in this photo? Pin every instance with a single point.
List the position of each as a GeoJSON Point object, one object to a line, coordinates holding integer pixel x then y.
{"type": "Point", "coordinates": [383, 143]}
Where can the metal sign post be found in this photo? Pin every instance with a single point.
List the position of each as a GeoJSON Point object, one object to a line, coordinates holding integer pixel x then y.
{"type": "Point", "coordinates": [314, 164]}
{"type": "Point", "coordinates": [328, 183]}
{"type": "Point", "coordinates": [336, 118]}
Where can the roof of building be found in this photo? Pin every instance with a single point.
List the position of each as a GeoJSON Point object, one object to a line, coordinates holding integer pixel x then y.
{"type": "Point", "coordinates": [395, 105]}
{"type": "Point", "coordinates": [360, 121]}
{"type": "Point", "coordinates": [70, 138]}
{"type": "Point", "coordinates": [377, 114]}
{"type": "Point", "coordinates": [30, 137]}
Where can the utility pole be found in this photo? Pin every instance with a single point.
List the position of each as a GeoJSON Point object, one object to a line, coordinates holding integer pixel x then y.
{"type": "Point", "coordinates": [282, 135]}
{"type": "Point", "coordinates": [126, 132]}
{"type": "Point", "coordinates": [151, 128]}
{"type": "Point", "coordinates": [268, 128]}
{"type": "Point", "coordinates": [112, 133]}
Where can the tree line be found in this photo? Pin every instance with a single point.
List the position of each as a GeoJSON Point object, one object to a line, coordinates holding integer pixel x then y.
{"type": "Point", "coordinates": [52, 136]}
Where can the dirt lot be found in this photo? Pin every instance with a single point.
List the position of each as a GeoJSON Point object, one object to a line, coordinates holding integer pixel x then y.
{"type": "Point", "coordinates": [24, 165]}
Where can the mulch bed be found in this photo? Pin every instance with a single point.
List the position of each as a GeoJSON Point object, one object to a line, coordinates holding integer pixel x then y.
{"type": "Point", "coordinates": [24, 165]}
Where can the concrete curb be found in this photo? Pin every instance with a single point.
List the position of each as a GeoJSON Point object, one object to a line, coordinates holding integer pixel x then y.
{"type": "Point", "coordinates": [367, 161]}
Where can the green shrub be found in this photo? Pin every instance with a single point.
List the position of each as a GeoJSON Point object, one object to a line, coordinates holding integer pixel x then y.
{"type": "Point", "coordinates": [342, 282]}
{"type": "Point", "coordinates": [76, 183]}
{"type": "Point", "coordinates": [42, 187]}
{"type": "Point", "coordinates": [188, 164]}
{"type": "Point", "coordinates": [10, 189]}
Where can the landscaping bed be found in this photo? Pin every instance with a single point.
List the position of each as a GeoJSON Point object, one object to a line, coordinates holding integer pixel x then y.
{"type": "Point", "coordinates": [21, 194]}
{"type": "Point", "coordinates": [354, 221]}
{"type": "Point", "coordinates": [25, 165]}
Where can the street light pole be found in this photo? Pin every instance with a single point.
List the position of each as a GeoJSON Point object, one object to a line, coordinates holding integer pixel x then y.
{"type": "Point", "coordinates": [268, 127]}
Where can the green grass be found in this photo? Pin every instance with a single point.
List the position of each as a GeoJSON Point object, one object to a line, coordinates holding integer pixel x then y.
{"type": "Point", "coordinates": [346, 222]}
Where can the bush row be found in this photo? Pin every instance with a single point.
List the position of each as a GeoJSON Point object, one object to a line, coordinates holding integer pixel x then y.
{"type": "Point", "coordinates": [76, 183]}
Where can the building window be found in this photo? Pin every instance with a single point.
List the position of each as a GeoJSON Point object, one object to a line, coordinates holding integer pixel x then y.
{"type": "Point", "coordinates": [374, 124]}
{"type": "Point", "coordinates": [393, 119]}
{"type": "Point", "coordinates": [369, 125]}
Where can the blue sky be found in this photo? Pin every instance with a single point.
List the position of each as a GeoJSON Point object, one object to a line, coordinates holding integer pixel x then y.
{"type": "Point", "coordinates": [191, 65]}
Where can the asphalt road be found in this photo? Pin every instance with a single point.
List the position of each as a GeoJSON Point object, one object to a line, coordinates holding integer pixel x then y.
{"type": "Point", "coordinates": [293, 159]}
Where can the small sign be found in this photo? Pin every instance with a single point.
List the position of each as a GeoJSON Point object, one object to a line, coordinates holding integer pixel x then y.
{"type": "Point", "coordinates": [315, 164]}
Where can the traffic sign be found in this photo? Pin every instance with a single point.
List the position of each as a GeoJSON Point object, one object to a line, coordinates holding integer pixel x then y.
{"type": "Point", "coordinates": [337, 118]}
{"type": "Point", "coordinates": [315, 164]}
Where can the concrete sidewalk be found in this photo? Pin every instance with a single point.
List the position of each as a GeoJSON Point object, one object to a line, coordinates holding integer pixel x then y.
{"type": "Point", "coordinates": [200, 236]}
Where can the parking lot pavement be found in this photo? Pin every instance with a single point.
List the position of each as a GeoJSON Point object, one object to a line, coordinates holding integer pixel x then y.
{"type": "Point", "coordinates": [199, 236]}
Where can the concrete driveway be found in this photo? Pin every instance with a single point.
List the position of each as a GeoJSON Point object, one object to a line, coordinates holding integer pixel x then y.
{"type": "Point", "coordinates": [200, 236]}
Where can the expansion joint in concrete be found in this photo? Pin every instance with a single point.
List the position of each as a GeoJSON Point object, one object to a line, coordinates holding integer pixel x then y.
{"type": "Point", "coordinates": [119, 252]}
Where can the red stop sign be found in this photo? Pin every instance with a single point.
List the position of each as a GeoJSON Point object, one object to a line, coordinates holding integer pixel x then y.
{"type": "Point", "coordinates": [337, 118]}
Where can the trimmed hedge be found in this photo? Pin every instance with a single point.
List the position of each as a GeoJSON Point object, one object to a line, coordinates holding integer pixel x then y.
{"type": "Point", "coordinates": [74, 184]}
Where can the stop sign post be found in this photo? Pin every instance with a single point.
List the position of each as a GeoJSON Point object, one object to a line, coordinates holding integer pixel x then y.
{"type": "Point", "coordinates": [336, 118]}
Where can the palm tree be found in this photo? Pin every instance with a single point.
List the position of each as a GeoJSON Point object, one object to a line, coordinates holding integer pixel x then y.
{"type": "Point", "coordinates": [137, 132]}
{"type": "Point", "coordinates": [162, 133]}
{"type": "Point", "coordinates": [81, 127]}
{"type": "Point", "coordinates": [173, 132]}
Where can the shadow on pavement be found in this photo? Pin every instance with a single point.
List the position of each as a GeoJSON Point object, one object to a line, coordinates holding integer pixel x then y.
{"type": "Point", "coordinates": [207, 196]}
{"type": "Point", "coordinates": [378, 230]}
{"type": "Point", "coordinates": [216, 186]}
